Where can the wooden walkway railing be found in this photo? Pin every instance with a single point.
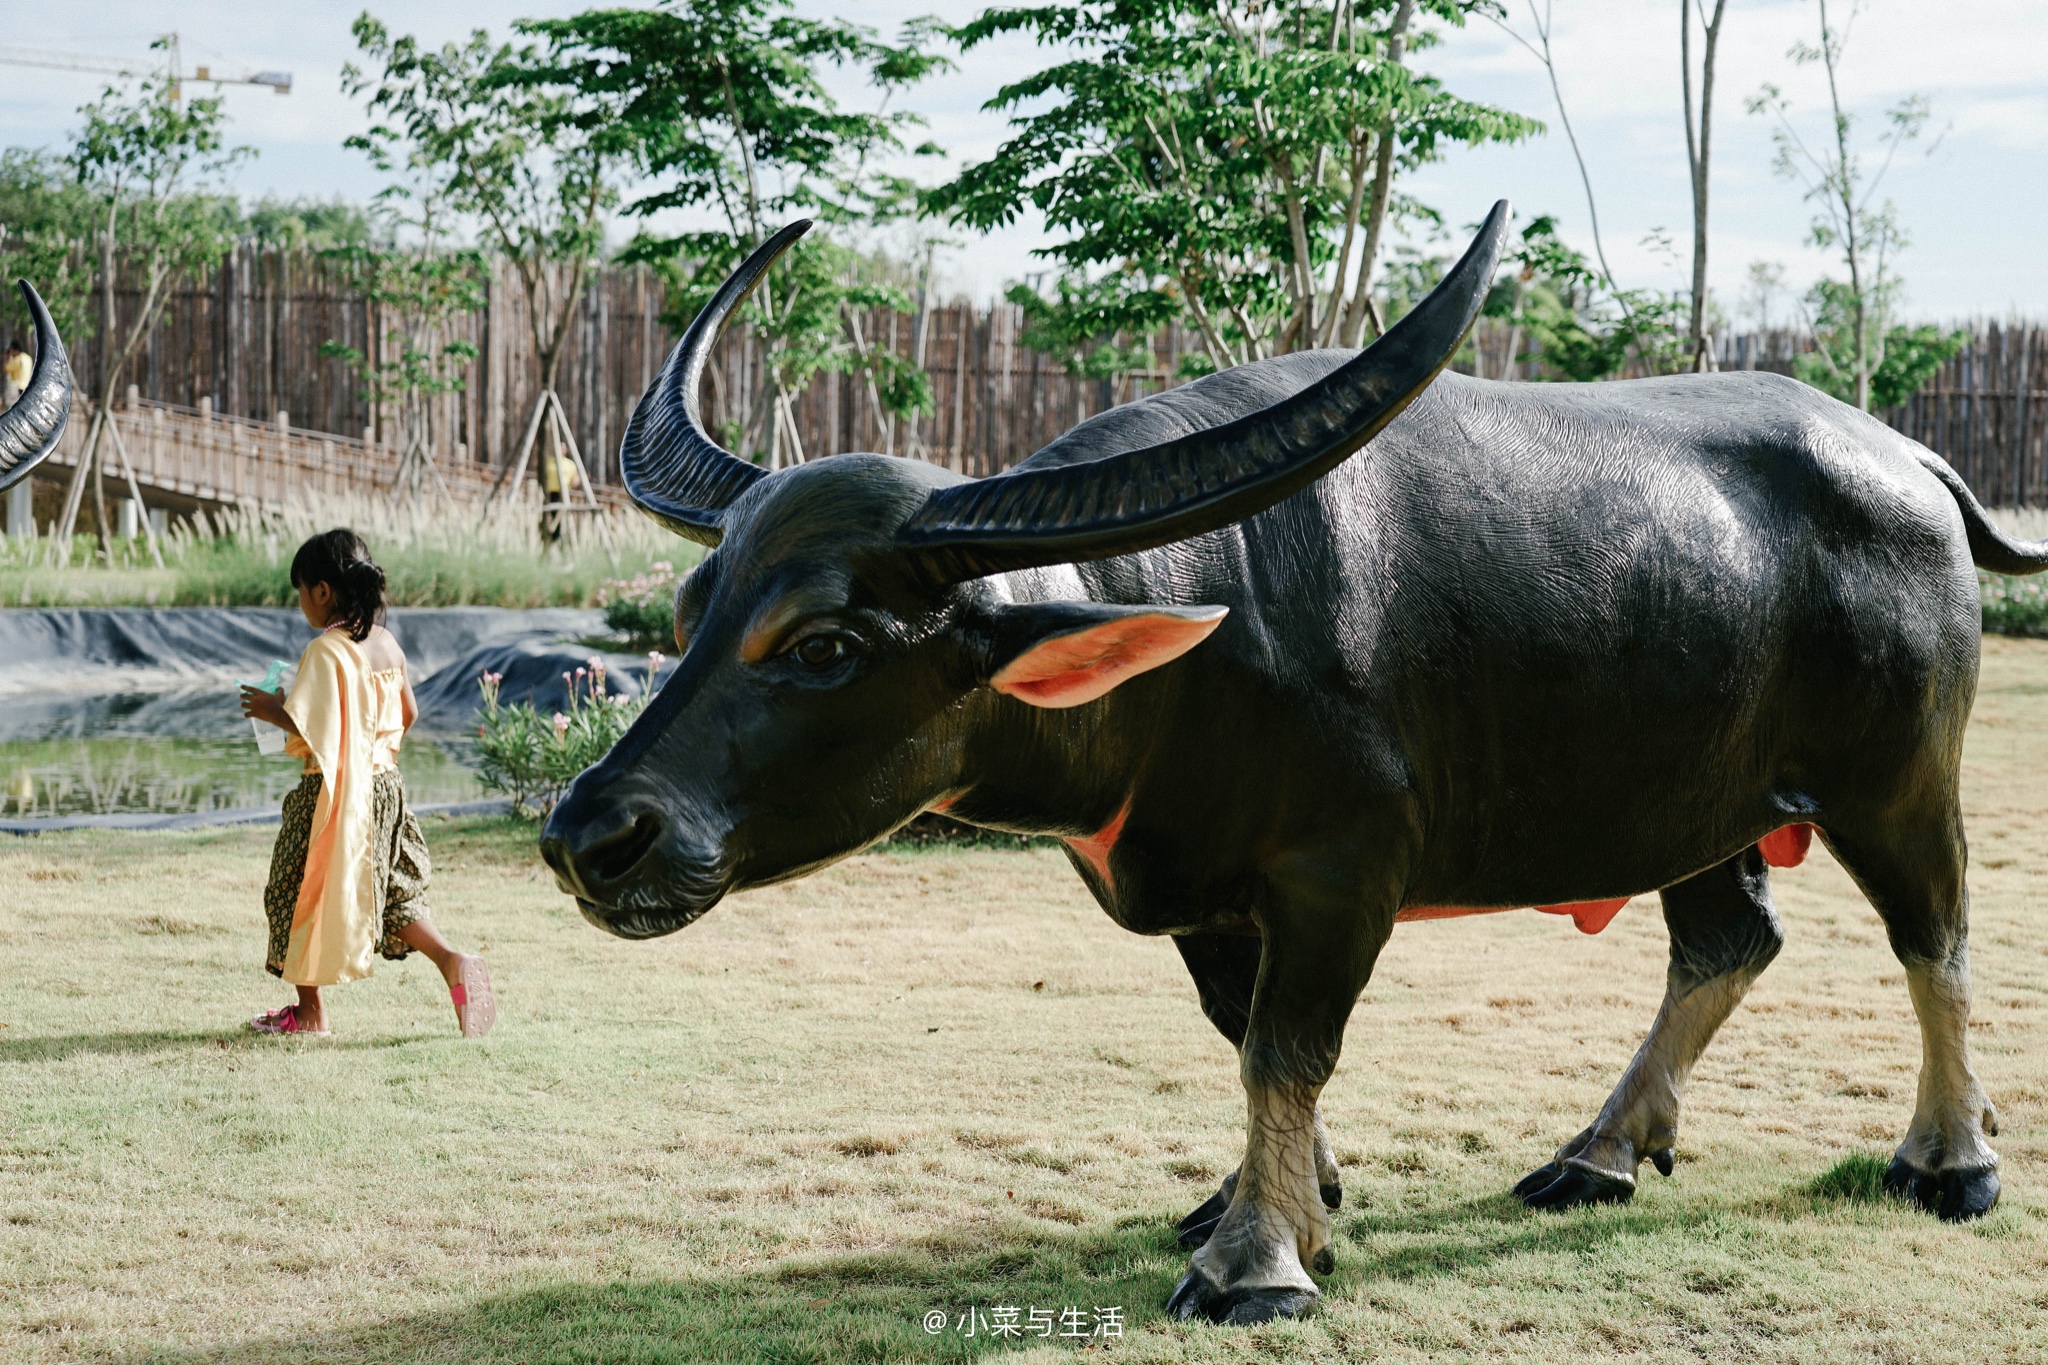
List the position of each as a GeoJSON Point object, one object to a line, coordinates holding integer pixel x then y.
{"type": "Point", "coordinates": [188, 459]}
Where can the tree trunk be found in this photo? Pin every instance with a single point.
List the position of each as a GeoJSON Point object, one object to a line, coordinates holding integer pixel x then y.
{"type": "Point", "coordinates": [1699, 145]}
{"type": "Point", "coordinates": [1382, 190]}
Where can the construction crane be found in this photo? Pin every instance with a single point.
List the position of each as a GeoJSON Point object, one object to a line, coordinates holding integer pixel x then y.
{"type": "Point", "coordinates": [170, 64]}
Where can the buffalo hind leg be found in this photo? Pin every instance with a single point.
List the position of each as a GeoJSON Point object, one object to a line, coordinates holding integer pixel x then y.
{"type": "Point", "coordinates": [1226, 970]}
{"type": "Point", "coordinates": [1724, 932]}
{"type": "Point", "coordinates": [1912, 871]}
{"type": "Point", "coordinates": [1255, 1263]}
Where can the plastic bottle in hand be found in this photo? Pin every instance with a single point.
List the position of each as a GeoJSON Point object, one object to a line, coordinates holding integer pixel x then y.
{"type": "Point", "coordinates": [269, 739]}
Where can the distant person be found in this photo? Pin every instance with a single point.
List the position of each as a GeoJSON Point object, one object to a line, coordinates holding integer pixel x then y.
{"type": "Point", "coordinates": [15, 372]}
{"type": "Point", "coordinates": [349, 874]}
{"type": "Point", "coordinates": [558, 476]}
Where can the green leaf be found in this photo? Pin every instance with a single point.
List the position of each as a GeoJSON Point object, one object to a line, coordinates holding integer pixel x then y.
{"type": "Point", "coordinates": [1222, 150]}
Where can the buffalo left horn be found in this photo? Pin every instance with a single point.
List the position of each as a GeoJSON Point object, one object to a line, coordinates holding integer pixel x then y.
{"type": "Point", "coordinates": [672, 469]}
{"type": "Point", "coordinates": [30, 429]}
{"type": "Point", "coordinates": [1120, 504]}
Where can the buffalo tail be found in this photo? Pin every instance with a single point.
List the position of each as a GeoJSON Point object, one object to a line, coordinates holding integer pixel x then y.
{"type": "Point", "coordinates": [1990, 548]}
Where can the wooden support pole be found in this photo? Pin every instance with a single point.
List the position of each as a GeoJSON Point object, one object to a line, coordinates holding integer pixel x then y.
{"type": "Point", "coordinates": [149, 532]}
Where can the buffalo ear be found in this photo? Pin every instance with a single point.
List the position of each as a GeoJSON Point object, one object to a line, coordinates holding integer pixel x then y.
{"type": "Point", "coordinates": [1059, 654]}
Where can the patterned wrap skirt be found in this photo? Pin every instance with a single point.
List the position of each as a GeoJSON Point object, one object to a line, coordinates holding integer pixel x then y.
{"type": "Point", "coordinates": [398, 861]}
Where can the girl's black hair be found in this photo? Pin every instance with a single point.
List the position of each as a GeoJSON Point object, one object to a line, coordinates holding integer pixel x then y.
{"type": "Point", "coordinates": [339, 559]}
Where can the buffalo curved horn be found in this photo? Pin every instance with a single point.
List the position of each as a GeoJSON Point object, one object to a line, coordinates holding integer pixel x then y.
{"type": "Point", "coordinates": [672, 469]}
{"type": "Point", "coordinates": [30, 429]}
{"type": "Point", "coordinates": [1123, 503]}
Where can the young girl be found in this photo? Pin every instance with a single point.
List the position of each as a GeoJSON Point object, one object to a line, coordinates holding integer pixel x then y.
{"type": "Point", "coordinates": [349, 874]}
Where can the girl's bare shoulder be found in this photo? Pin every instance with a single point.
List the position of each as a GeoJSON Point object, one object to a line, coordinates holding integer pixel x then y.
{"type": "Point", "coordinates": [381, 650]}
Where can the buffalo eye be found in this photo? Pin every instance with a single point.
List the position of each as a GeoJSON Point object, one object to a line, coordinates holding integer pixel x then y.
{"type": "Point", "coordinates": [819, 652]}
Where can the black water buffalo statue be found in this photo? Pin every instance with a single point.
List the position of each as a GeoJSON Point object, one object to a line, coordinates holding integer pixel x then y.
{"type": "Point", "coordinates": [30, 429]}
{"type": "Point", "coordinates": [1303, 645]}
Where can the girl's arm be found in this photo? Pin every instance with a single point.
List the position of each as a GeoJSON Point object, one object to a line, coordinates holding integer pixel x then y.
{"type": "Point", "coordinates": [409, 707]}
{"type": "Point", "coordinates": [268, 707]}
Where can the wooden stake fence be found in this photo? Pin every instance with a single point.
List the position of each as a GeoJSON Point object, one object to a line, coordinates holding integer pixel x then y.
{"type": "Point", "coordinates": [247, 340]}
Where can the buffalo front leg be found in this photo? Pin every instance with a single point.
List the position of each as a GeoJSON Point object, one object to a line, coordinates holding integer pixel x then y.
{"type": "Point", "coordinates": [1225, 968]}
{"type": "Point", "coordinates": [1256, 1261]}
{"type": "Point", "coordinates": [1724, 932]}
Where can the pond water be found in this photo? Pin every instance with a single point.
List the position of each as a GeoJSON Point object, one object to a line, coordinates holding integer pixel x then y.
{"type": "Point", "coordinates": [170, 753]}
{"type": "Point", "coordinates": [128, 712]}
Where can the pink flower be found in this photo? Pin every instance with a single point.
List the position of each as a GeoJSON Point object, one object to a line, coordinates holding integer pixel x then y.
{"type": "Point", "coordinates": [655, 658]}
{"type": "Point", "coordinates": [561, 725]}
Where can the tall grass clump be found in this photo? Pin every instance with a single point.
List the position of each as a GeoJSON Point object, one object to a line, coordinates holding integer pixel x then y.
{"type": "Point", "coordinates": [1857, 1178]}
{"type": "Point", "coordinates": [432, 557]}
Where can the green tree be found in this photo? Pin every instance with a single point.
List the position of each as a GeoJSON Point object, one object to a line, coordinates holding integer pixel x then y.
{"type": "Point", "coordinates": [506, 154]}
{"type": "Point", "coordinates": [421, 289]}
{"type": "Point", "coordinates": [309, 224]}
{"type": "Point", "coordinates": [1911, 355]}
{"type": "Point", "coordinates": [723, 109]}
{"type": "Point", "coordinates": [47, 223]}
{"type": "Point", "coordinates": [1093, 329]}
{"type": "Point", "coordinates": [147, 160]}
{"type": "Point", "coordinates": [1581, 327]}
{"type": "Point", "coordinates": [1851, 318]}
{"type": "Point", "coordinates": [1586, 341]}
{"type": "Point", "coordinates": [1234, 157]}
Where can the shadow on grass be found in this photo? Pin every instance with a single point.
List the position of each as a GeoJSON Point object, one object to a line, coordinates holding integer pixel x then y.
{"type": "Point", "coordinates": [1455, 1240]}
{"type": "Point", "coordinates": [57, 1049]}
{"type": "Point", "coordinates": [65, 1046]}
{"type": "Point", "coordinates": [1473, 1235]}
{"type": "Point", "coordinates": [853, 1308]}
{"type": "Point", "coordinates": [873, 1307]}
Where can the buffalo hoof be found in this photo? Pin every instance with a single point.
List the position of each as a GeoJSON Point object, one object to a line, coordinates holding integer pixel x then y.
{"type": "Point", "coordinates": [1564, 1186]}
{"type": "Point", "coordinates": [1197, 1297]}
{"type": "Point", "coordinates": [1952, 1196]}
{"type": "Point", "coordinates": [1333, 1195]}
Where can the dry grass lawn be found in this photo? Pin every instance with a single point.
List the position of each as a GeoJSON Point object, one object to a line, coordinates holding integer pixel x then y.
{"type": "Point", "coordinates": [943, 1081]}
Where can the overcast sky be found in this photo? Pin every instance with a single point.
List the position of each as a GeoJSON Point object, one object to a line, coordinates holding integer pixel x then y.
{"type": "Point", "coordinates": [1973, 205]}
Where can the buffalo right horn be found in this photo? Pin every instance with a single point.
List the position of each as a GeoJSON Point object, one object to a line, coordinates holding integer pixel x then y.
{"type": "Point", "coordinates": [30, 429]}
{"type": "Point", "coordinates": [672, 469]}
{"type": "Point", "coordinates": [1138, 499]}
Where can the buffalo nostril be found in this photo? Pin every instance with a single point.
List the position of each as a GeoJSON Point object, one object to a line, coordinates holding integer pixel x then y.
{"type": "Point", "coordinates": [608, 859]}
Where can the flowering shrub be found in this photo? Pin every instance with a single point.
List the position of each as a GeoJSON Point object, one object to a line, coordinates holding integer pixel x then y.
{"type": "Point", "coordinates": [532, 758]}
{"type": "Point", "coordinates": [642, 607]}
{"type": "Point", "coordinates": [2014, 606]}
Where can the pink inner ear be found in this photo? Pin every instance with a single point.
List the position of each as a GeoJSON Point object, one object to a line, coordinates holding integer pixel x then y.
{"type": "Point", "coordinates": [1082, 665]}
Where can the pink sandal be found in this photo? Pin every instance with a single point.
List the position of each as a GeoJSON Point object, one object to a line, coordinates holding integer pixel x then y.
{"type": "Point", "coordinates": [285, 1020]}
{"type": "Point", "coordinates": [476, 1009]}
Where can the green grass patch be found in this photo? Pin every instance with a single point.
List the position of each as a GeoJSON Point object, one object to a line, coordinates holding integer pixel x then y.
{"type": "Point", "coordinates": [934, 1085]}
{"type": "Point", "coordinates": [1856, 1179]}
